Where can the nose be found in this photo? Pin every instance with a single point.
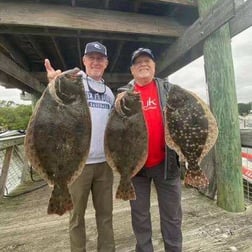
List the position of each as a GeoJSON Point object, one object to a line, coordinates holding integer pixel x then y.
{"type": "Point", "coordinates": [142, 62]}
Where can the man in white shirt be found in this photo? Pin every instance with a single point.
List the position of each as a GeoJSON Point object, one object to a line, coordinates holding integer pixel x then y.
{"type": "Point", "coordinates": [97, 176]}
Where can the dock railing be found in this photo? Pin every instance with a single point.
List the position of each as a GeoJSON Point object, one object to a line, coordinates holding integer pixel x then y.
{"type": "Point", "coordinates": [12, 148]}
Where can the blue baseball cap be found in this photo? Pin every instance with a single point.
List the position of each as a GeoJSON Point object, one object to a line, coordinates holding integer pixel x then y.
{"type": "Point", "coordinates": [141, 51]}
{"type": "Point", "coordinates": [96, 47]}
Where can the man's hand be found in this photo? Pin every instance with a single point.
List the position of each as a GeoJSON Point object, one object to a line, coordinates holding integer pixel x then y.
{"type": "Point", "coordinates": [51, 72]}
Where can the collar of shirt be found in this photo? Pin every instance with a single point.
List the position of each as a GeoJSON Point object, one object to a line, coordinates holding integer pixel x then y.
{"type": "Point", "coordinates": [93, 85]}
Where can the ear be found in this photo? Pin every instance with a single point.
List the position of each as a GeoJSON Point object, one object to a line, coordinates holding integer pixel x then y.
{"type": "Point", "coordinates": [131, 69]}
{"type": "Point", "coordinates": [83, 60]}
{"type": "Point", "coordinates": [107, 62]}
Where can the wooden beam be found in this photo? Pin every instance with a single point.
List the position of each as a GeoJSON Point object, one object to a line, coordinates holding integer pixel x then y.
{"type": "Point", "coordinates": [11, 68]}
{"type": "Point", "coordinates": [13, 52]}
{"type": "Point", "coordinates": [73, 2]}
{"type": "Point", "coordinates": [7, 142]}
{"type": "Point", "coordinates": [59, 54]}
{"type": "Point", "coordinates": [106, 4]}
{"type": "Point", "coordinates": [36, 47]}
{"type": "Point", "coordinates": [8, 81]}
{"type": "Point", "coordinates": [178, 2]}
{"type": "Point", "coordinates": [203, 27]}
{"type": "Point", "coordinates": [87, 19]}
{"type": "Point", "coordinates": [116, 56]}
{"type": "Point", "coordinates": [79, 51]}
{"type": "Point", "coordinates": [242, 19]}
{"type": "Point", "coordinates": [38, 31]}
{"type": "Point", "coordinates": [182, 53]}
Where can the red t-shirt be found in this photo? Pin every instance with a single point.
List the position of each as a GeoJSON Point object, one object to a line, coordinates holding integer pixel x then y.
{"type": "Point", "coordinates": [154, 121]}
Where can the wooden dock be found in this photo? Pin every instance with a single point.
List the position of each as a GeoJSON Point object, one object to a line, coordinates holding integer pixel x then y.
{"type": "Point", "coordinates": [25, 225]}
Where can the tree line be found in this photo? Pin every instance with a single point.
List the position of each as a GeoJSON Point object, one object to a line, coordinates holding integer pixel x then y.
{"type": "Point", "coordinates": [16, 116]}
{"type": "Point", "coordinates": [244, 108]}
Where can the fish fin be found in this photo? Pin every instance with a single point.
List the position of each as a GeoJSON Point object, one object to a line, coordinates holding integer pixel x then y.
{"type": "Point", "coordinates": [196, 179]}
{"type": "Point", "coordinates": [126, 191]}
{"type": "Point", "coordinates": [60, 200]}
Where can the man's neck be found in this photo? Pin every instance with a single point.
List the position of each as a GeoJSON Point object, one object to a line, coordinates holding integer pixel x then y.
{"type": "Point", "coordinates": [95, 78]}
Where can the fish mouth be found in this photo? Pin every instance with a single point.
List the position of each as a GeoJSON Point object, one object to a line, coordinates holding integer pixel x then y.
{"type": "Point", "coordinates": [123, 103]}
{"type": "Point", "coordinates": [122, 107]}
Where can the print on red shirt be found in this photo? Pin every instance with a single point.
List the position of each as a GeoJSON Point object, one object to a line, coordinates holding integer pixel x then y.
{"type": "Point", "coordinates": [154, 121]}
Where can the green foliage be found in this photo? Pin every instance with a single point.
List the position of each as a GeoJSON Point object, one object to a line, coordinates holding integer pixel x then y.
{"type": "Point", "coordinates": [244, 108]}
{"type": "Point", "coordinates": [14, 116]}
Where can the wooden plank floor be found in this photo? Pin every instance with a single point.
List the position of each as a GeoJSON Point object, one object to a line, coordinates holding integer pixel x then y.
{"type": "Point", "coordinates": [25, 225]}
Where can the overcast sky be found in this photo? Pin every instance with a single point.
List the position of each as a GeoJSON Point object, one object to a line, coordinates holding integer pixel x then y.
{"type": "Point", "coordinates": [192, 76]}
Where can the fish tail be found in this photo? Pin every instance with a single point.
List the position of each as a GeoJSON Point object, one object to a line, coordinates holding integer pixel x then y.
{"type": "Point", "coordinates": [125, 191]}
{"type": "Point", "coordinates": [60, 200]}
{"type": "Point", "coordinates": [196, 178]}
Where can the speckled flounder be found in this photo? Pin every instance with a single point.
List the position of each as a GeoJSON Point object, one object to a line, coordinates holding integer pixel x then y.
{"type": "Point", "coordinates": [191, 130]}
{"type": "Point", "coordinates": [58, 137]}
{"type": "Point", "coordinates": [126, 141]}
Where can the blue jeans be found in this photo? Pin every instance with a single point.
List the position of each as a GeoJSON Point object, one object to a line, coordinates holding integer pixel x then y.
{"type": "Point", "coordinates": [169, 202]}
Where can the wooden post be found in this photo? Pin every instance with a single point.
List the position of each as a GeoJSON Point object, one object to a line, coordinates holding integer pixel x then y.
{"type": "Point", "coordinates": [5, 169]}
{"type": "Point", "coordinates": [223, 101]}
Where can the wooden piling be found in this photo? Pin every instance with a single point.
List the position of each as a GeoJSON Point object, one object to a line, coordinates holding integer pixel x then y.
{"type": "Point", "coordinates": [223, 101]}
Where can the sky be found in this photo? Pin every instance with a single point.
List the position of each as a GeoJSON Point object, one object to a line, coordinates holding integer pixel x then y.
{"type": "Point", "coordinates": [192, 76]}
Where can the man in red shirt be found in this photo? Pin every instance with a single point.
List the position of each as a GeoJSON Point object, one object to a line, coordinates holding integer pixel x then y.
{"type": "Point", "coordinates": [161, 167]}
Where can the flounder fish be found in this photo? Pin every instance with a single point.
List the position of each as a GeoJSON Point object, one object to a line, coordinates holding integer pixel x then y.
{"type": "Point", "coordinates": [191, 130]}
{"type": "Point", "coordinates": [126, 141]}
{"type": "Point", "coordinates": [58, 137]}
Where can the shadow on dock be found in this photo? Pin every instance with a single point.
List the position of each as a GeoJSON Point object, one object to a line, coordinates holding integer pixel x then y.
{"type": "Point", "coordinates": [25, 225]}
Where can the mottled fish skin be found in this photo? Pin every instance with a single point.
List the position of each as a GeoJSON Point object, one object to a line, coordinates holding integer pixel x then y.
{"type": "Point", "coordinates": [126, 141]}
{"type": "Point", "coordinates": [191, 130]}
{"type": "Point", "coordinates": [58, 137]}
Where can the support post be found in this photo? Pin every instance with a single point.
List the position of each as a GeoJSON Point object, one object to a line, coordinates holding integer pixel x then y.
{"type": "Point", "coordinates": [223, 102]}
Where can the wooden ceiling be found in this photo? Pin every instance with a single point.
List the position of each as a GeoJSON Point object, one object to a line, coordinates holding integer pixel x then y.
{"type": "Point", "coordinates": [31, 31]}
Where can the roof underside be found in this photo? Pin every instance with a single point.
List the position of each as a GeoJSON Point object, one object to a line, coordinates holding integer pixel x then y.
{"type": "Point", "coordinates": [31, 31]}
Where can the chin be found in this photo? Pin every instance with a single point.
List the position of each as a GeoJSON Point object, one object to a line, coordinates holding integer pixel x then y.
{"type": "Point", "coordinates": [144, 76]}
{"type": "Point", "coordinates": [97, 74]}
